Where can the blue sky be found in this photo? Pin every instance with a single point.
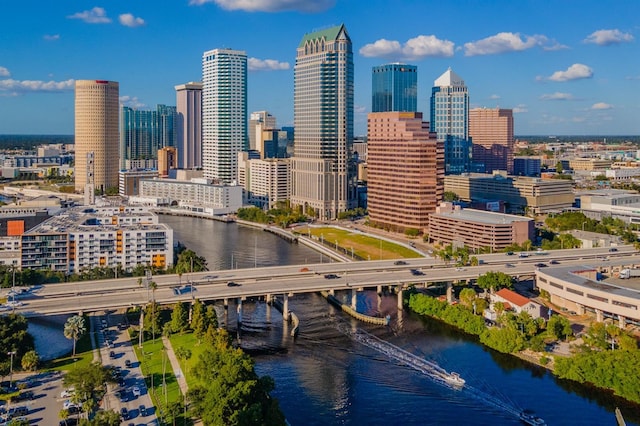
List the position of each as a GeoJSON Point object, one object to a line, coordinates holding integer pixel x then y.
{"type": "Point", "coordinates": [566, 67]}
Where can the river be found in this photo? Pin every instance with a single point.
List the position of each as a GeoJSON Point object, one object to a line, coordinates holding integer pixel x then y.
{"type": "Point", "coordinates": [325, 377]}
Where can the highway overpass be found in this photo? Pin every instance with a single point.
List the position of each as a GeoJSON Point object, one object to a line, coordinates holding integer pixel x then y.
{"type": "Point", "coordinates": [90, 296]}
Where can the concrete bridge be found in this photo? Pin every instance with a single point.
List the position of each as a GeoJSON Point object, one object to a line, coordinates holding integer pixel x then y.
{"type": "Point", "coordinates": [240, 284]}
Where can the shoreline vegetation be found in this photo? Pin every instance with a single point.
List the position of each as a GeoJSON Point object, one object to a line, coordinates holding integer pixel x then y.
{"type": "Point", "coordinates": [594, 363]}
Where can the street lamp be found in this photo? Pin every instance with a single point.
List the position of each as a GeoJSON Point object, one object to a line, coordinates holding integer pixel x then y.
{"type": "Point", "coordinates": [11, 354]}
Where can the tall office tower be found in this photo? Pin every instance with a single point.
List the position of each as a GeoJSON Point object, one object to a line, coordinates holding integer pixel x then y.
{"type": "Point", "coordinates": [405, 174]}
{"type": "Point", "coordinates": [259, 121]}
{"type": "Point", "coordinates": [167, 160]}
{"type": "Point", "coordinates": [491, 131]}
{"type": "Point", "coordinates": [323, 175]}
{"type": "Point", "coordinates": [450, 121]}
{"type": "Point", "coordinates": [96, 130]}
{"type": "Point", "coordinates": [189, 125]}
{"type": "Point", "coordinates": [224, 112]}
{"type": "Point", "coordinates": [144, 132]}
{"type": "Point", "coordinates": [394, 88]}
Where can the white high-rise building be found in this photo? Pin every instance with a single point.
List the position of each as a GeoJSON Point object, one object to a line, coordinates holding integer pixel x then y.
{"type": "Point", "coordinates": [323, 178]}
{"type": "Point", "coordinates": [189, 125]}
{"type": "Point", "coordinates": [224, 112]}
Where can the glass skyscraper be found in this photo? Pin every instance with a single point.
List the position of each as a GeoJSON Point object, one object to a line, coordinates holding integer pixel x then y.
{"type": "Point", "coordinates": [224, 112]}
{"type": "Point", "coordinates": [394, 88]}
{"type": "Point", "coordinates": [450, 121]}
{"type": "Point", "coordinates": [144, 132]}
{"type": "Point", "coordinates": [323, 175]}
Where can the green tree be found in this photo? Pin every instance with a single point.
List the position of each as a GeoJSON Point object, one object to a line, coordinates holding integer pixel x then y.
{"type": "Point", "coordinates": [499, 307]}
{"type": "Point", "coordinates": [559, 327]}
{"type": "Point", "coordinates": [179, 318]}
{"type": "Point", "coordinates": [202, 317]}
{"type": "Point", "coordinates": [30, 361]}
{"type": "Point", "coordinates": [494, 280]}
{"type": "Point", "coordinates": [103, 418]}
{"type": "Point", "coordinates": [450, 196]}
{"type": "Point", "coordinates": [88, 380]}
{"type": "Point", "coordinates": [74, 328]}
{"type": "Point", "coordinates": [467, 296]}
{"type": "Point", "coordinates": [596, 336]}
{"type": "Point", "coordinates": [152, 320]}
{"type": "Point", "coordinates": [13, 337]}
{"type": "Point", "coordinates": [506, 340]}
{"type": "Point", "coordinates": [189, 261]}
{"type": "Point", "coordinates": [184, 355]}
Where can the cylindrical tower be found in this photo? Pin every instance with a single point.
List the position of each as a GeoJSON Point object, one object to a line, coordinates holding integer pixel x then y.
{"type": "Point", "coordinates": [96, 130]}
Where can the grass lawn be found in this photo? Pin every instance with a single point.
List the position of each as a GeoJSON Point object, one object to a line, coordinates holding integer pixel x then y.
{"type": "Point", "coordinates": [364, 246]}
{"type": "Point", "coordinates": [153, 363]}
{"type": "Point", "coordinates": [188, 340]}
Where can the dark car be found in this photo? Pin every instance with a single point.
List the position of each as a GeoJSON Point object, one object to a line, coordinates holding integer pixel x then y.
{"type": "Point", "coordinates": [613, 250]}
{"type": "Point", "coordinates": [331, 276]}
{"type": "Point", "coordinates": [112, 354]}
{"type": "Point", "coordinates": [124, 413]}
{"type": "Point", "coordinates": [509, 253]}
{"type": "Point", "coordinates": [399, 262]}
{"type": "Point", "coordinates": [143, 410]}
{"type": "Point", "coordinates": [541, 265]}
{"type": "Point", "coordinates": [554, 262]}
{"type": "Point", "coordinates": [127, 363]}
{"type": "Point", "coordinates": [233, 284]}
{"type": "Point", "coordinates": [416, 272]}
{"type": "Point", "coordinates": [22, 396]}
{"type": "Point", "coordinates": [71, 421]}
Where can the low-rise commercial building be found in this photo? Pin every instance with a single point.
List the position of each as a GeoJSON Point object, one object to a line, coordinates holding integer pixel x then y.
{"type": "Point", "coordinates": [478, 229]}
{"type": "Point", "coordinates": [519, 194]}
{"type": "Point", "coordinates": [83, 238]}
{"type": "Point", "coordinates": [578, 288]}
{"type": "Point", "coordinates": [265, 181]}
{"type": "Point", "coordinates": [196, 195]}
{"type": "Point", "coordinates": [517, 303]}
{"type": "Point", "coordinates": [129, 181]}
{"type": "Point", "coordinates": [615, 203]}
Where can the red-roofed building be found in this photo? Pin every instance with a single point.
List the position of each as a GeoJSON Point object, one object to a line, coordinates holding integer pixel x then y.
{"type": "Point", "coordinates": [517, 302]}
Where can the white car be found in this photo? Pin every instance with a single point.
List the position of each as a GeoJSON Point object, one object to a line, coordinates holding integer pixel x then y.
{"type": "Point", "coordinates": [14, 303]}
{"type": "Point", "coordinates": [67, 393]}
{"type": "Point", "coordinates": [68, 405]}
{"type": "Point", "coordinates": [136, 391]}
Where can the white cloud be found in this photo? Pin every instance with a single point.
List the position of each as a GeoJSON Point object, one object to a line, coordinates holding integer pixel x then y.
{"type": "Point", "coordinates": [131, 101]}
{"type": "Point", "coordinates": [309, 6]}
{"type": "Point", "coordinates": [574, 72]}
{"type": "Point", "coordinates": [97, 15]}
{"type": "Point", "coordinates": [416, 48]}
{"type": "Point", "coordinates": [494, 96]}
{"type": "Point", "coordinates": [607, 37]}
{"type": "Point", "coordinates": [128, 20]}
{"type": "Point", "coordinates": [520, 109]}
{"type": "Point", "coordinates": [601, 106]}
{"type": "Point", "coordinates": [557, 96]}
{"type": "Point", "coordinates": [632, 77]}
{"type": "Point", "coordinates": [4, 72]}
{"type": "Point", "coordinates": [22, 86]}
{"type": "Point", "coordinates": [255, 64]}
{"type": "Point", "coordinates": [51, 37]}
{"type": "Point", "coordinates": [504, 42]}
{"type": "Point", "coordinates": [359, 109]}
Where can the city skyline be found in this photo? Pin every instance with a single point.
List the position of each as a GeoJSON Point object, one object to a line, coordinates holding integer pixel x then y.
{"type": "Point", "coordinates": [560, 75]}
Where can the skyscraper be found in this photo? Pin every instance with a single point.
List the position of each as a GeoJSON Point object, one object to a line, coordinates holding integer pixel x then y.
{"type": "Point", "coordinates": [323, 176]}
{"type": "Point", "coordinates": [189, 125]}
{"type": "Point", "coordinates": [450, 121]}
{"type": "Point", "coordinates": [405, 175]}
{"type": "Point", "coordinates": [96, 130]}
{"type": "Point", "coordinates": [144, 132]}
{"type": "Point", "coordinates": [224, 112]}
{"type": "Point", "coordinates": [491, 130]}
{"type": "Point", "coordinates": [259, 121]}
{"type": "Point", "coordinates": [394, 88]}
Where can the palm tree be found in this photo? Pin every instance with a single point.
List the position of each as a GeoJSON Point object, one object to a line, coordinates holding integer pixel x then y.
{"type": "Point", "coordinates": [73, 329]}
{"type": "Point", "coordinates": [153, 286]}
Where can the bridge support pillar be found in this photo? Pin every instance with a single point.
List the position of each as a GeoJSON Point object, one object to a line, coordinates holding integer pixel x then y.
{"type": "Point", "coordinates": [354, 298]}
{"type": "Point", "coordinates": [225, 302]}
{"type": "Point", "coordinates": [285, 307]}
{"type": "Point", "coordinates": [449, 292]}
{"type": "Point", "coordinates": [379, 290]}
{"type": "Point", "coordinates": [332, 292]}
{"type": "Point", "coordinates": [579, 309]}
{"type": "Point", "coordinates": [239, 311]}
{"type": "Point", "coordinates": [599, 315]}
{"type": "Point", "coordinates": [268, 298]}
{"type": "Point", "coordinates": [400, 293]}
{"type": "Point", "coordinates": [622, 321]}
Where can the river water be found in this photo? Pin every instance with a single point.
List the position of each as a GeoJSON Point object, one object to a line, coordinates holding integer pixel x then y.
{"type": "Point", "coordinates": [325, 377]}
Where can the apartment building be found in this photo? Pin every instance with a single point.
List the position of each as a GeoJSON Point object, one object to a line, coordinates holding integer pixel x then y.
{"type": "Point", "coordinates": [196, 194]}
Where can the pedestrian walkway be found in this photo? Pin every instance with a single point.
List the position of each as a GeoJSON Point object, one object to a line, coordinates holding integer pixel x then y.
{"type": "Point", "coordinates": [175, 365]}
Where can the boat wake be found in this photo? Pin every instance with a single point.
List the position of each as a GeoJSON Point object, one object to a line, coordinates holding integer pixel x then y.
{"type": "Point", "coordinates": [439, 375]}
{"type": "Point", "coordinates": [426, 367]}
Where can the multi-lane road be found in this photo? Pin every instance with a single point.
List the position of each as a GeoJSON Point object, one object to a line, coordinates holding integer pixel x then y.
{"type": "Point", "coordinates": [214, 285]}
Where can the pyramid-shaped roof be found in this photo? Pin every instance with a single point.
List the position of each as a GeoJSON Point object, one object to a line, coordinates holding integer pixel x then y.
{"type": "Point", "coordinates": [327, 34]}
{"type": "Point", "coordinates": [449, 78]}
